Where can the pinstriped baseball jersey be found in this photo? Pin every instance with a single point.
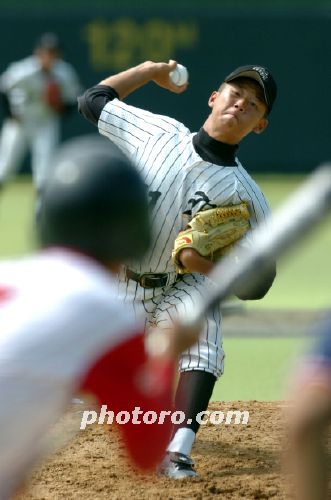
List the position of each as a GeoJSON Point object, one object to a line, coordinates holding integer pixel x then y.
{"type": "Point", "coordinates": [180, 182]}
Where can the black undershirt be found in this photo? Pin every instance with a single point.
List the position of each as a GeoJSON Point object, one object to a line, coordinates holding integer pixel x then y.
{"type": "Point", "coordinates": [213, 151]}
{"type": "Point", "coordinates": [92, 102]}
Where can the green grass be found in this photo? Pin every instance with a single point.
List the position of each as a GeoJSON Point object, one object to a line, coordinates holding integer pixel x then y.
{"type": "Point", "coordinates": [16, 218]}
{"type": "Point", "coordinates": [255, 368]}
{"type": "Point", "coordinates": [259, 368]}
{"type": "Point", "coordinates": [303, 279]}
{"type": "Point", "coordinates": [304, 276]}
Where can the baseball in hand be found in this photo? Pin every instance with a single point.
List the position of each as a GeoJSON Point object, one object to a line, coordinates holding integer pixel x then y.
{"type": "Point", "coordinates": [179, 76]}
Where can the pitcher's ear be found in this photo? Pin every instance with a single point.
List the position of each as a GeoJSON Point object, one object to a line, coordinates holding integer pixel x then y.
{"type": "Point", "coordinates": [212, 98]}
{"type": "Point", "coordinates": [261, 126]}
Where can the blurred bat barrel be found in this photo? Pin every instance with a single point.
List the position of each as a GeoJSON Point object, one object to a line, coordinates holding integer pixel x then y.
{"type": "Point", "coordinates": [245, 267]}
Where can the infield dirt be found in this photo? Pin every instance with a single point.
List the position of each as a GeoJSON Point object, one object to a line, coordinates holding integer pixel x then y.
{"type": "Point", "coordinates": [234, 461]}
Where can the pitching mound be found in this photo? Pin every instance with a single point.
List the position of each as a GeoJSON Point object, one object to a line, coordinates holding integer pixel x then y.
{"type": "Point", "coordinates": [234, 461]}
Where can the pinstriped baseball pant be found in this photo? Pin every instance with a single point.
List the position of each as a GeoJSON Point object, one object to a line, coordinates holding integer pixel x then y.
{"type": "Point", "coordinates": [207, 354]}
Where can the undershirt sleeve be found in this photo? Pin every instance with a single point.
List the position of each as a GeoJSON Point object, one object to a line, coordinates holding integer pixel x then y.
{"type": "Point", "coordinates": [92, 102]}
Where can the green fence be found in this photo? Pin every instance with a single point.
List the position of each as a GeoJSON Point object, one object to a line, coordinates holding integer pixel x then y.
{"type": "Point", "coordinates": [142, 4]}
{"type": "Point", "coordinates": [210, 40]}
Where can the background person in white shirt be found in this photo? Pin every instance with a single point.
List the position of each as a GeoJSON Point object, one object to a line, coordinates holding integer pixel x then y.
{"type": "Point", "coordinates": [37, 92]}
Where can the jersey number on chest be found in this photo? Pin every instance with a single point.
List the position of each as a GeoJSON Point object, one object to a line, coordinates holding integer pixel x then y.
{"type": "Point", "coordinates": [199, 197]}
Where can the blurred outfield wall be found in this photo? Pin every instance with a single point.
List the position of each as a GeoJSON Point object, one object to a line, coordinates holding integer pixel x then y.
{"type": "Point", "coordinates": [211, 38]}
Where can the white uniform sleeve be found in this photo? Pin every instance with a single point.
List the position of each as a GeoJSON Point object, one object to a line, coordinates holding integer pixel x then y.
{"type": "Point", "coordinates": [18, 72]}
{"type": "Point", "coordinates": [130, 127]}
{"type": "Point", "coordinates": [68, 79]}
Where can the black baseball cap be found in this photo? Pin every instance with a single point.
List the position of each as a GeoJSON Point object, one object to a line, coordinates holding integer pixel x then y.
{"type": "Point", "coordinates": [262, 75]}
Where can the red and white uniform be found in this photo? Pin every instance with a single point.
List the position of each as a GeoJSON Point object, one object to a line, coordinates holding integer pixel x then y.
{"type": "Point", "coordinates": [63, 328]}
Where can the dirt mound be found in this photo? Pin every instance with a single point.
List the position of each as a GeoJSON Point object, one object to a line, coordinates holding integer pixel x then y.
{"type": "Point", "coordinates": [234, 461]}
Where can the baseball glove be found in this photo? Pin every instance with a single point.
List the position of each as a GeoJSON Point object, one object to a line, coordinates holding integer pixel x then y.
{"type": "Point", "coordinates": [53, 96]}
{"type": "Point", "coordinates": [212, 233]}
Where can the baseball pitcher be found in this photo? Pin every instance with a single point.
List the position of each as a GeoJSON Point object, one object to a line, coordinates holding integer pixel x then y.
{"type": "Point", "coordinates": [201, 201]}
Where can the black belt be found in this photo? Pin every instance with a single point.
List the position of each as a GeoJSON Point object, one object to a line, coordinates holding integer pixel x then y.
{"type": "Point", "coordinates": [148, 280]}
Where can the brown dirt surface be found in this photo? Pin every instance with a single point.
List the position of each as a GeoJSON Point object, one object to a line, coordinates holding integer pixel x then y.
{"type": "Point", "coordinates": [233, 461]}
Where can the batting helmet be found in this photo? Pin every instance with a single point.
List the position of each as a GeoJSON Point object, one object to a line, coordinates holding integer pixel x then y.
{"type": "Point", "coordinates": [94, 201]}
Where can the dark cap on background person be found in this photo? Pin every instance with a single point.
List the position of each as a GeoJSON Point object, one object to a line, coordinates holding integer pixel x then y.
{"type": "Point", "coordinates": [48, 41]}
{"type": "Point", "coordinates": [260, 74]}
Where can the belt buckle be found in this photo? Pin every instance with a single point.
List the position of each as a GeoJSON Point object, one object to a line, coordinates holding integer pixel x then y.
{"type": "Point", "coordinates": [144, 277]}
{"type": "Point", "coordinates": [154, 280]}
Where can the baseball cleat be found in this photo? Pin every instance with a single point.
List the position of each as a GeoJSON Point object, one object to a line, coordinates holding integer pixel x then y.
{"type": "Point", "coordinates": [177, 466]}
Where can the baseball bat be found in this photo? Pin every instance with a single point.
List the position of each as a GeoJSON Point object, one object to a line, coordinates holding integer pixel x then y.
{"type": "Point", "coordinates": [244, 267]}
